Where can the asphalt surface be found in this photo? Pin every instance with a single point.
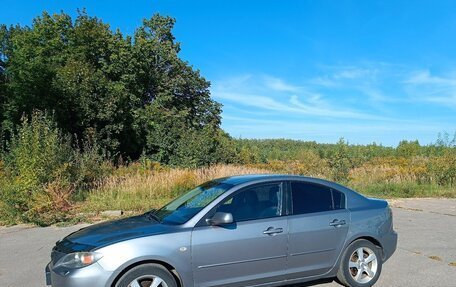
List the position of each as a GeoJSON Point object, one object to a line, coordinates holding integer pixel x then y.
{"type": "Point", "coordinates": [425, 255]}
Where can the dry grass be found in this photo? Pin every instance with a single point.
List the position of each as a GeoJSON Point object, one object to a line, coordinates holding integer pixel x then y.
{"type": "Point", "coordinates": [138, 188]}
{"type": "Point", "coordinates": [437, 258]}
{"type": "Point", "coordinates": [392, 170]}
{"type": "Point", "coordinates": [142, 191]}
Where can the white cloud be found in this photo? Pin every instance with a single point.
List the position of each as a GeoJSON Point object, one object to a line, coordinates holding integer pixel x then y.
{"type": "Point", "coordinates": [255, 93]}
{"type": "Point", "coordinates": [424, 77]}
{"type": "Point", "coordinates": [423, 86]}
{"type": "Point", "coordinates": [324, 81]}
{"type": "Point", "coordinates": [280, 85]}
{"type": "Point", "coordinates": [251, 100]}
{"type": "Point", "coordinates": [449, 101]}
{"type": "Point", "coordinates": [366, 80]}
{"type": "Point", "coordinates": [353, 73]}
{"type": "Point", "coordinates": [318, 110]}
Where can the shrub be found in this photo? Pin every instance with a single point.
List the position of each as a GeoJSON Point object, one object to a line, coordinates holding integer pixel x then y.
{"type": "Point", "coordinates": [42, 172]}
{"type": "Point", "coordinates": [312, 164]}
{"type": "Point", "coordinates": [39, 155]}
{"type": "Point", "coordinates": [443, 169]}
{"type": "Point", "coordinates": [408, 148]}
{"type": "Point", "coordinates": [339, 161]}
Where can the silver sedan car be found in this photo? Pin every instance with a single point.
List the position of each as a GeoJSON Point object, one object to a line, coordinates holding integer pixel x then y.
{"type": "Point", "coordinates": [253, 230]}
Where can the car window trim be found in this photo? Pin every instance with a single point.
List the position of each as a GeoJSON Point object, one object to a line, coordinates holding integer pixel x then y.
{"type": "Point", "coordinates": [288, 199]}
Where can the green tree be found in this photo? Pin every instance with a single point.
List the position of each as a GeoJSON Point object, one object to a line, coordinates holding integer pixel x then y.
{"type": "Point", "coordinates": [3, 45]}
{"type": "Point", "coordinates": [179, 98]}
{"type": "Point", "coordinates": [132, 93]}
{"type": "Point", "coordinates": [408, 148]}
{"type": "Point", "coordinates": [339, 161]}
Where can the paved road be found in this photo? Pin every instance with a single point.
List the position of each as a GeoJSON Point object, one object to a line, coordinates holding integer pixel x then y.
{"type": "Point", "coordinates": [427, 246]}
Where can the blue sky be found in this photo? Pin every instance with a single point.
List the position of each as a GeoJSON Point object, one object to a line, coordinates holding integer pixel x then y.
{"type": "Point", "coordinates": [368, 71]}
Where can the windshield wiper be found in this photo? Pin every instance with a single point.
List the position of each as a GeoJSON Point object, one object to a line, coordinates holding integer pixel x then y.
{"type": "Point", "coordinates": [151, 215]}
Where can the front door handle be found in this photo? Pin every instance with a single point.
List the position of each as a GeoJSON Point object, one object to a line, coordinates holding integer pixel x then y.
{"type": "Point", "coordinates": [337, 223]}
{"type": "Point", "coordinates": [273, 231]}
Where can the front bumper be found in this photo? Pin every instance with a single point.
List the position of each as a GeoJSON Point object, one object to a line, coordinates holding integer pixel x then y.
{"type": "Point", "coordinates": [93, 276]}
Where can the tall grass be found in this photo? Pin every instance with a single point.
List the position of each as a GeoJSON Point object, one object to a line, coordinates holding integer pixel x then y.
{"type": "Point", "coordinates": [143, 190]}
{"type": "Point", "coordinates": [406, 177]}
{"type": "Point", "coordinates": [138, 189]}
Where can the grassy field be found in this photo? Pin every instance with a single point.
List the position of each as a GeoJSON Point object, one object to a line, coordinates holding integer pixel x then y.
{"type": "Point", "coordinates": [139, 187]}
{"type": "Point", "coordinates": [140, 191]}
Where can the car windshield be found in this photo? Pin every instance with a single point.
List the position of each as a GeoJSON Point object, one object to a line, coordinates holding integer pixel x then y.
{"type": "Point", "coordinates": [188, 205]}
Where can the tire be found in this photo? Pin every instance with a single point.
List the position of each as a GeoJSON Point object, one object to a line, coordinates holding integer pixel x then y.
{"type": "Point", "coordinates": [360, 273]}
{"type": "Point", "coordinates": [147, 275]}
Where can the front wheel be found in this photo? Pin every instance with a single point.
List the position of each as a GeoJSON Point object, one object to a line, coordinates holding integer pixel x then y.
{"type": "Point", "coordinates": [147, 275]}
{"type": "Point", "coordinates": [360, 265]}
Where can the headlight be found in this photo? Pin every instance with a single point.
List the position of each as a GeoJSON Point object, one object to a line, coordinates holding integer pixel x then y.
{"type": "Point", "coordinates": [78, 260]}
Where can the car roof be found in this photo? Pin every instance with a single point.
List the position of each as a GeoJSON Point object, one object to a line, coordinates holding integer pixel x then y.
{"type": "Point", "coordinates": [241, 179]}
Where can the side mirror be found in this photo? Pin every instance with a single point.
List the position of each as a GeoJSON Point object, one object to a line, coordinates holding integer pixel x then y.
{"type": "Point", "coordinates": [220, 218]}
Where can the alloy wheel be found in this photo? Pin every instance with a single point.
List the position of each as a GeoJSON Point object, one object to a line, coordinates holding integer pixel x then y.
{"type": "Point", "coordinates": [363, 265]}
{"type": "Point", "coordinates": [148, 281]}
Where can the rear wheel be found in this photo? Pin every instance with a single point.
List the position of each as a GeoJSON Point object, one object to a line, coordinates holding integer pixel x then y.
{"type": "Point", "coordinates": [147, 275]}
{"type": "Point", "coordinates": [360, 265]}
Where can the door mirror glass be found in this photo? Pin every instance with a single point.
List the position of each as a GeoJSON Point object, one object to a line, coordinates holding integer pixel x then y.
{"type": "Point", "coordinates": [221, 218]}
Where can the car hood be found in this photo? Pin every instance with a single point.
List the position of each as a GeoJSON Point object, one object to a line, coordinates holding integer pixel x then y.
{"type": "Point", "coordinates": [106, 233]}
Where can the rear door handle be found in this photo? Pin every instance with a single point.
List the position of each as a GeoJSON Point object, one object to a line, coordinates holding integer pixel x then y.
{"type": "Point", "coordinates": [272, 231]}
{"type": "Point", "coordinates": [337, 223]}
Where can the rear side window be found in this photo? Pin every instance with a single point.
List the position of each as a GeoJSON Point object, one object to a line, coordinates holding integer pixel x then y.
{"type": "Point", "coordinates": [310, 198]}
{"type": "Point", "coordinates": [339, 199]}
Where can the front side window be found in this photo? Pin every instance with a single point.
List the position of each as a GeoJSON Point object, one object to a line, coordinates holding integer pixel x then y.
{"type": "Point", "coordinates": [257, 202]}
{"type": "Point", "coordinates": [185, 207]}
{"type": "Point", "coordinates": [310, 198]}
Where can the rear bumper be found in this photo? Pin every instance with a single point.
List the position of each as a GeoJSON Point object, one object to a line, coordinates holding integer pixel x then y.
{"type": "Point", "coordinates": [47, 272]}
{"type": "Point", "coordinates": [93, 276]}
{"type": "Point", "coordinates": [389, 245]}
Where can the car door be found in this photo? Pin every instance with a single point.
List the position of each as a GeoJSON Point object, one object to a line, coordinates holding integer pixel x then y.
{"type": "Point", "coordinates": [252, 250]}
{"type": "Point", "coordinates": [318, 226]}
